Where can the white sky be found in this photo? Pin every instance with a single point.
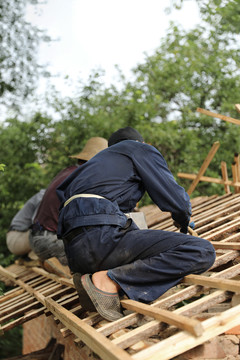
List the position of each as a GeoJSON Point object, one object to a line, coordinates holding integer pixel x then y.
{"type": "Point", "coordinates": [102, 33]}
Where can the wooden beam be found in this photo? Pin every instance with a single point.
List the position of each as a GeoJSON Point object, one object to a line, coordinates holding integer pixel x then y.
{"type": "Point", "coordinates": [219, 116]}
{"type": "Point", "coordinates": [182, 322]}
{"type": "Point", "coordinates": [223, 284]}
{"type": "Point", "coordinates": [181, 342]}
{"type": "Point", "coordinates": [208, 179]}
{"type": "Point", "coordinates": [225, 176]}
{"type": "Point", "coordinates": [204, 167]}
{"type": "Point", "coordinates": [237, 162]}
{"type": "Point", "coordinates": [237, 107]}
{"type": "Point", "coordinates": [96, 341]}
{"type": "Point", "coordinates": [192, 232]}
{"type": "Point", "coordinates": [234, 175]}
{"type": "Point", "coordinates": [226, 245]}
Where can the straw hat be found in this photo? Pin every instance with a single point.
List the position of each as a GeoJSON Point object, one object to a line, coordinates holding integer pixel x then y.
{"type": "Point", "coordinates": [92, 147]}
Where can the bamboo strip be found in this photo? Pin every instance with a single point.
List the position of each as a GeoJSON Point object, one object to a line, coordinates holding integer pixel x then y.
{"type": "Point", "coordinates": [223, 284]}
{"type": "Point", "coordinates": [181, 342]}
{"type": "Point", "coordinates": [204, 166]}
{"type": "Point", "coordinates": [215, 234]}
{"type": "Point", "coordinates": [191, 325]}
{"type": "Point", "coordinates": [235, 178]}
{"type": "Point", "coordinates": [97, 342]}
{"type": "Point", "coordinates": [219, 116]}
{"type": "Point", "coordinates": [228, 245]}
{"type": "Point", "coordinates": [29, 316]}
{"type": "Point", "coordinates": [208, 179]}
{"type": "Point", "coordinates": [237, 107]}
{"type": "Point", "coordinates": [225, 176]}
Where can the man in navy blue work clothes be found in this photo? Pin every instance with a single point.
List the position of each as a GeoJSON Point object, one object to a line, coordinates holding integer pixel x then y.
{"type": "Point", "coordinates": [108, 254]}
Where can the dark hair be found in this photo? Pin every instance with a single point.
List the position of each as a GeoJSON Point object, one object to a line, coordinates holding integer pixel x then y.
{"type": "Point", "coordinates": [126, 133]}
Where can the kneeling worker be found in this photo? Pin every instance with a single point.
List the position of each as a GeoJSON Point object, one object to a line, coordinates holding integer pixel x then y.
{"type": "Point", "coordinates": [43, 239]}
{"type": "Point", "coordinates": [108, 254]}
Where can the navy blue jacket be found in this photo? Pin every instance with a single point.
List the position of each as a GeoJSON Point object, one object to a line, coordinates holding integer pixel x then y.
{"type": "Point", "coordinates": [121, 174]}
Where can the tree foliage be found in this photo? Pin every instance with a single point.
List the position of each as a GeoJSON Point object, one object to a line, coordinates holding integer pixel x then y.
{"type": "Point", "coordinates": [197, 68]}
{"type": "Point", "coordinates": [19, 40]}
{"type": "Point", "coordinates": [189, 69]}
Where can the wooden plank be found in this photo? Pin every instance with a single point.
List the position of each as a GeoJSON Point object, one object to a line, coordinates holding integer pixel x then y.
{"type": "Point", "coordinates": [29, 316]}
{"type": "Point", "coordinates": [237, 161]}
{"type": "Point", "coordinates": [12, 301]}
{"type": "Point", "coordinates": [20, 304]}
{"type": "Point", "coordinates": [208, 179]}
{"type": "Point", "coordinates": [7, 273]}
{"type": "Point", "coordinates": [92, 319]}
{"type": "Point", "coordinates": [221, 202]}
{"type": "Point", "coordinates": [192, 232]}
{"type": "Point", "coordinates": [95, 341]}
{"type": "Point", "coordinates": [214, 234]}
{"type": "Point", "coordinates": [61, 280]}
{"type": "Point", "coordinates": [20, 311]}
{"type": "Point", "coordinates": [221, 220]}
{"type": "Point", "coordinates": [219, 212]}
{"type": "Point", "coordinates": [140, 333]}
{"type": "Point", "coordinates": [219, 116]}
{"type": "Point", "coordinates": [153, 328]}
{"type": "Point", "coordinates": [225, 176]}
{"type": "Point", "coordinates": [225, 258]}
{"type": "Point", "coordinates": [223, 284]}
{"type": "Point", "coordinates": [237, 107]}
{"type": "Point", "coordinates": [228, 245]}
{"type": "Point", "coordinates": [204, 167]}
{"type": "Point", "coordinates": [205, 210]}
{"type": "Point", "coordinates": [126, 321]}
{"type": "Point", "coordinates": [191, 325]}
{"type": "Point", "coordinates": [181, 342]}
{"type": "Point", "coordinates": [235, 178]}
{"type": "Point", "coordinates": [11, 294]}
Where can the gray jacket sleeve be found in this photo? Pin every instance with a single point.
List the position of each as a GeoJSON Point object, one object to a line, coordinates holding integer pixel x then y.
{"type": "Point", "coordinates": [24, 217]}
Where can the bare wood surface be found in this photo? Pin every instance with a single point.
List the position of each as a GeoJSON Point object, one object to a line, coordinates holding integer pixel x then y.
{"type": "Point", "coordinates": [181, 342]}
{"type": "Point", "coordinates": [204, 166]}
{"type": "Point", "coordinates": [237, 161]}
{"type": "Point", "coordinates": [29, 316]}
{"type": "Point", "coordinates": [224, 284]}
{"type": "Point", "coordinates": [228, 245]}
{"type": "Point", "coordinates": [192, 232]}
{"type": "Point", "coordinates": [219, 116]}
{"type": "Point", "coordinates": [225, 176]}
{"type": "Point", "coordinates": [208, 179]}
{"type": "Point", "coordinates": [191, 325]}
{"type": "Point", "coordinates": [235, 177]}
{"type": "Point", "coordinates": [97, 342]}
{"type": "Point", "coordinates": [237, 107]}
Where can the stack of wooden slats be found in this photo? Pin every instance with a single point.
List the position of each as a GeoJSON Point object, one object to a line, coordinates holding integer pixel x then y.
{"type": "Point", "coordinates": [180, 320]}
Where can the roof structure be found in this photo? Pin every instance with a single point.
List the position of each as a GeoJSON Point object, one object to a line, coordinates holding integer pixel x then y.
{"type": "Point", "coordinates": [186, 316]}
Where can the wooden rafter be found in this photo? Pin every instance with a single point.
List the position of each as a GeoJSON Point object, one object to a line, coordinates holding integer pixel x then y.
{"type": "Point", "coordinates": [219, 116]}
{"type": "Point", "coordinates": [37, 292]}
{"type": "Point", "coordinates": [204, 167]}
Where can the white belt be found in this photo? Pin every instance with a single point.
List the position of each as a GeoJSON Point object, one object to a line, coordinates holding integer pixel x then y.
{"type": "Point", "coordinates": [83, 195]}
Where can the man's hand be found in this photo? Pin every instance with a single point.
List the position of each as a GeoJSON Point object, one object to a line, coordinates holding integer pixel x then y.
{"type": "Point", "coordinates": [184, 227]}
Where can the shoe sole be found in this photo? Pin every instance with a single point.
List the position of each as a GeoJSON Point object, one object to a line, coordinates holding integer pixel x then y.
{"type": "Point", "coordinates": [84, 299]}
{"type": "Point", "coordinates": [106, 304]}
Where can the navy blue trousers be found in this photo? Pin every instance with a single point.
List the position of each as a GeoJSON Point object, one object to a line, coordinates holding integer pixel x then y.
{"type": "Point", "coordinates": [145, 263]}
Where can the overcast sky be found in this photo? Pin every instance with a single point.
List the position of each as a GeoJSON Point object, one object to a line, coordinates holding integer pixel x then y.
{"type": "Point", "coordinates": [102, 33]}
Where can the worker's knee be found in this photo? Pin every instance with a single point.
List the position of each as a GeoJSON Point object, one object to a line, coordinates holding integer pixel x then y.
{"type": "Point", "coordinates": [205, 255]}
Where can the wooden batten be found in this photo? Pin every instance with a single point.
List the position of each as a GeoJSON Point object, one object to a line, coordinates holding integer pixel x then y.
{"type": "Point", "coordinates": [166, 328]}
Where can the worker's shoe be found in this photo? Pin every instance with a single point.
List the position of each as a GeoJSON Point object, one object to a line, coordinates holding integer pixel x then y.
{"type": "Point", "coordinates": [84, 299]}
{"type": "Point", "coordinates": [107, 304]}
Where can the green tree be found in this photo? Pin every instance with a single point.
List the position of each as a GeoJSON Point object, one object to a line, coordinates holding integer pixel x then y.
{"type": "Point", "coordinates": [222, 15]}
{"type": "Point", "coordinates": [19, 67]}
